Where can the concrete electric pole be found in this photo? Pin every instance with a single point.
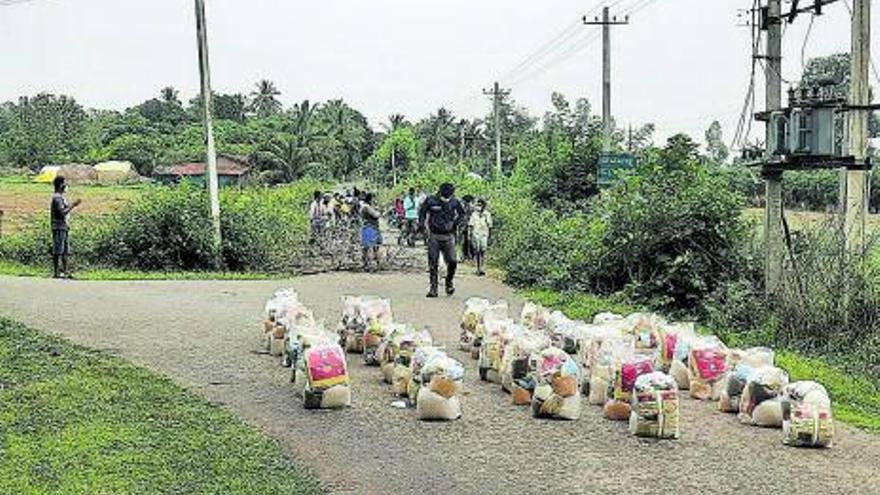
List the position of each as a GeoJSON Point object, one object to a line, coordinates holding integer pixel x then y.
{"type": "Point", "coordinates": [205, 76]}
{"type": "Point", "coordinates": [773, 247]}
{"type": "Point", "coordinates": [606, 22]}
{"type": "Point", "coordinates": [856, 180]}
{"type": "Point", "coordinates": [497, 94]}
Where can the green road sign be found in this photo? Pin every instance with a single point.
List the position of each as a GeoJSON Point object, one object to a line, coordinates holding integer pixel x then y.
{"type": "Point", "coordinates": [610, 166]}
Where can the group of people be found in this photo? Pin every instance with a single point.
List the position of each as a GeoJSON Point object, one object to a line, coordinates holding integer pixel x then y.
{"type": "Point", "coordinates": [353, 206]}
{"type": "Point", "coordinates": [442, 220]}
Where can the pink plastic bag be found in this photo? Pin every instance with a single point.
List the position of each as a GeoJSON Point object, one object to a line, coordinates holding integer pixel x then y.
{"type": "Point", "coordinates": [326, 366]}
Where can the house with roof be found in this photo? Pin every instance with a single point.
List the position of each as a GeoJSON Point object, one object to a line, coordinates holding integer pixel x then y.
{"type": "Point", "coordinates": [231, 170]}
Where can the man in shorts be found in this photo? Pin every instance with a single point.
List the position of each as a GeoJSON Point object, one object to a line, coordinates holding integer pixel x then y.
{"type": "Point", "coordinates": [59, 210]}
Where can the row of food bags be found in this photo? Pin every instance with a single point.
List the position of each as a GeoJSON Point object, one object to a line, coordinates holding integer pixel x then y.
{"type": "Point", "coordinates": [319, 370]}
{"type": "Point", "coordinates": [615, 352]}
{"type": "Point", "coordinates": [409, 361]}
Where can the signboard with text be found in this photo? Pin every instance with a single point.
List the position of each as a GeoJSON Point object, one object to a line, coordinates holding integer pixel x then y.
{"type": "Point", "coordinates": [612, 165]}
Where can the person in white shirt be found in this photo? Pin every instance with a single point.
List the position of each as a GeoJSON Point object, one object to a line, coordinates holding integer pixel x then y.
{"type": "Point", "coordinates": [479, 225]}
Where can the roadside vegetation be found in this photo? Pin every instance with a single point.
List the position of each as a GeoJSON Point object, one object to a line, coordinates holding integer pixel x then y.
{"type": "Point", "coordinates": [76, 421]}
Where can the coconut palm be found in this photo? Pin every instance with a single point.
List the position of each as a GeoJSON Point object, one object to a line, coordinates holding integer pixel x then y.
{"type": "Point", "coordinates": [440, 135]}
{"type": "Point", "coordinates": [263, 100]}
{"type": "Point", "coordinates": [345, 136]}
{"type": "Point", "coordinates": [170, 95]}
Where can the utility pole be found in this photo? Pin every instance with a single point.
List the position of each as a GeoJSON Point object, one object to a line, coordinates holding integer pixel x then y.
{"type": "Point", "coordinates": [773, 248]}
{"type": "Point", "coordinates": [606, 22]}
{"type": "Point", "coordinates": [205, 76]}
{"type": "Point", "coordinates": [856, 180]}
{"type": "Point", "coordinates": [497, 94]}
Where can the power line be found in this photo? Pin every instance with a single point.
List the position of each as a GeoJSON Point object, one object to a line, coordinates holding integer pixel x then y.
{"type": "Point", "coordinates": [806, 40]}
{"type": "Point", "coordinates": [546, 49]}
{"type": "Point", "coordinates": [586, 40]}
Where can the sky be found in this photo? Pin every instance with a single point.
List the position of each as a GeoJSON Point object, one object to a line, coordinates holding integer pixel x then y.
{"type": "Point", "coordinates": [679, 64]}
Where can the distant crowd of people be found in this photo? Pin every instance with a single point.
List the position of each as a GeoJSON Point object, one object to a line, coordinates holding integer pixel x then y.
{"type": "Point", "coordinates": [443, 222]}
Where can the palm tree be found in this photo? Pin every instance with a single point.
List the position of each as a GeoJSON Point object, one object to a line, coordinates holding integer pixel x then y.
{"type": "Point", "coordinates": [288, 153]}
{"type": "Point", "coordinates": [395, 121]}
{"type": "Point", "coordinates": [440, 134]}
{"type": "Point", "coordinates": [170, 95]}
{"type": "Point", "coordinates": [346, 135]}
{"type": "Point", "coordinates": [264, 101]}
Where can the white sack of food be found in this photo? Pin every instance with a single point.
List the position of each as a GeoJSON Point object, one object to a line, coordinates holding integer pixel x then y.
{"type": "Point", "coordinates": [433, 406]}
{"type": "Point", "coordinates": [336, 397]}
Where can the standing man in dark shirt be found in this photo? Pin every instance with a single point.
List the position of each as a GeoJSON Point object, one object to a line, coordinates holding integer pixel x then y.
{"type": "Point", "coordinates": [441, 216]}
{"type": "Point", "coordinates": [59, 209]}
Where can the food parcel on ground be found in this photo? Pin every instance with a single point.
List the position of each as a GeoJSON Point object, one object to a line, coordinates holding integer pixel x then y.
{"type": "Point", "coordinates": [636, 368]}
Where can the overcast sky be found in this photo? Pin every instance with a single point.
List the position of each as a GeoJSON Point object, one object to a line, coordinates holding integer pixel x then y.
{"type": "Point", "coordinates": [679, 64]}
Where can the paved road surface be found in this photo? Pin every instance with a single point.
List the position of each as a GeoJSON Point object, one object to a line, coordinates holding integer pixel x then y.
{"type": "Point", "coordinates": [203, 334]}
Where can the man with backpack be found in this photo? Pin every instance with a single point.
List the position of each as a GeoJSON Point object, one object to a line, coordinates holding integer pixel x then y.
{"type": "Point", "coordinates": [441, 216]}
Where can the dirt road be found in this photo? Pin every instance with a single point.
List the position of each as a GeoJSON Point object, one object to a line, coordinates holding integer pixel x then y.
{"type": "Point", "coordinates": [204, 334]}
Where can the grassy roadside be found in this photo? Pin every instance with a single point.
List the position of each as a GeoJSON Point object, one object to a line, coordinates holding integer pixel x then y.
{"type": "Point", "coordinates": [856, 399]}
{"type": "Point", "coordinates": [13, 269]}
{"type": "Point", "coordinates": [73, 421]}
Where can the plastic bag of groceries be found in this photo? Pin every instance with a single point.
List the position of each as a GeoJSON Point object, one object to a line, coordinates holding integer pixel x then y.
{"type": "Point", "coordinates": [669, 337]}
{"type": "Point", "coordinates": [272, 305]}
{"type": "Point", "coordinates": [557, 391]}
{"type": "Point", "coordinates": [327, 385]}
{"type": "Point", "coordinates": [390, 347]}
{"type": "Point", "coordinates": [492, 349]}
{"type": "Point", "coordinates": [518, 362]}
{"type": "Point", "coordinates": [566, 334]}
{"type": "Point", "coordinates": [378, 319]}
{"type": "Point", "coordinates": [742, 365]}
{"type": "Point", "coordinates": [655, 406]}
{"type": "Point", "coordinates": [438, 398]}
{"type": "Point", "coordinates": [352, 324]}
{"type": "Point", "coordinates": [401, 375]}
{"type": "Point", "coordinates": [707, 364]}
{"type": "Point", "coordinates": [534, 316]}
{"type": "Point", "coordinates": [590, 338]}
{"type": "Point", "coordinates": [611, 349]}
{"type": "Point", "coordinates": [416, 364]}
{"type": "Point", "coordinates": [496, 311]}
{"type": "Point", "coordinates": [627, 369]}
{"type": "Point", "coordinates": [297, 345]}
{"type": "Point", "coordinates": [644, 327]}
{"type": "Point", "coordinates": [761, 402]}
{"type": "Point", "coordinates": [806, 415]}
{"type": "Point", "coordinates": [474, 308]}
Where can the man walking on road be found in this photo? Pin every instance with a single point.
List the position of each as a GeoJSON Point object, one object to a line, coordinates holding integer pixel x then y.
{"type": "Point", "coordinates": [59, 210]}
{"type": "Point", "coordinates": [441, 216]}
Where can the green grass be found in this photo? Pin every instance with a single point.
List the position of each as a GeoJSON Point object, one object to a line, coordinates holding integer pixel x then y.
{"type": "Point", "coordinates": [14, 269]}
{"type": "Point", "coordinates": [73, 421]}
{"type": "Point", "coordinates": [855, 398]}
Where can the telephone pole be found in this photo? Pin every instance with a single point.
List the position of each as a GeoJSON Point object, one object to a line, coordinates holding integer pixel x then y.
{"type": "Point", "coordinates": [773, 249]}
{"type": "Point", "coordinates": [497, 94]}
{"type": "Point", "coordinates": [205, 76]}
{"type": "Point", "coordinates": [856, 180]}
{"type": "Point", "coordinates": [606, 22]}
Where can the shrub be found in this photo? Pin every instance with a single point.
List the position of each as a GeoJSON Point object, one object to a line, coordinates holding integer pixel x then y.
{"type": "Point", "coordinates": [670, 236]}
{"type": "Point", "coordinates": [165, 229]}
{"type": "Point", "coordinates": [168, 229]}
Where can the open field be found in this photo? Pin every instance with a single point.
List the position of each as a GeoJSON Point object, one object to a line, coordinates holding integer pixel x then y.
{"type": "Point", "coordinates": [22, 200]}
